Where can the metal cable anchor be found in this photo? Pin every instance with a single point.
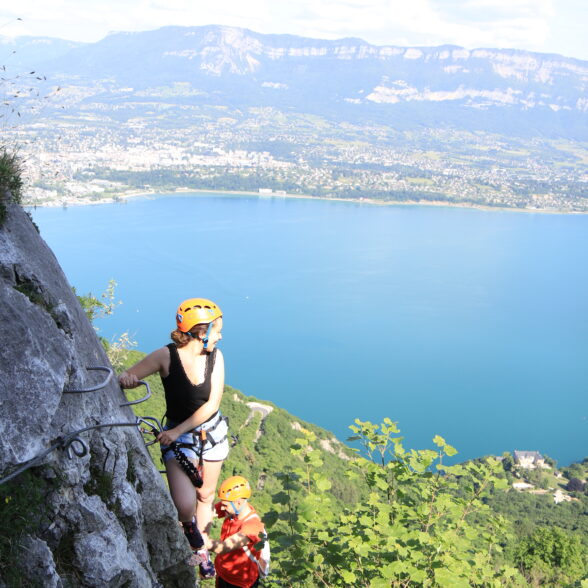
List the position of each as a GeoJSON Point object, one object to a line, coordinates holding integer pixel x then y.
{"type": "Point", "coordinates": [146, 397]}
{"type": "Point", "coordinates": [93, 388]}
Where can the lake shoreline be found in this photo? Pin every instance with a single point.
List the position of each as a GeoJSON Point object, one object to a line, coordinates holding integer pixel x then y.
{"type": "Point", "coordinates": [129, 194]}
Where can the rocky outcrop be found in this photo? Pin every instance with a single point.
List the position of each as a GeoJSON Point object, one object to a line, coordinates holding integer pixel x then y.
{"type": "Point", "coordinates": [107, 519]}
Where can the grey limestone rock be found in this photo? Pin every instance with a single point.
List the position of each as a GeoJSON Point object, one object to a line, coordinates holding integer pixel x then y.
{"type": "Point", "coordinates": [38, 562]}
{"type": "Point", "coordinates": [122, 531]}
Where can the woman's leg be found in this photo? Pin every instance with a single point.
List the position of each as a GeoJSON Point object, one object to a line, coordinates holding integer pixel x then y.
{"type": "Point", "coordinates": [182, 490]}
{"type": "Point", "coordinates": [210, 474]}
{"type": "Point", "coordinates": [183, 494]}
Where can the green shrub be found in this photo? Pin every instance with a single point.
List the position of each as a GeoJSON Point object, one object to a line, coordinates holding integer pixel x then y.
{"type": "Point", "coordinates": [10, 179]}
{"type": "Point", "coordinates": [551, 556]}
{"type": "Point", "coordinates": [411, 530]}
{"type": "Point", "coordinates": [22, 512]}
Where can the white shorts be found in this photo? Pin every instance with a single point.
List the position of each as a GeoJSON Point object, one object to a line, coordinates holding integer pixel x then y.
{"type": "Point", "coordinates": [217, 451]}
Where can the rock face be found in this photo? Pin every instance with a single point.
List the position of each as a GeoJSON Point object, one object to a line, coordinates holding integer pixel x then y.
{"type": "Point", "coordinates": [107, 516]}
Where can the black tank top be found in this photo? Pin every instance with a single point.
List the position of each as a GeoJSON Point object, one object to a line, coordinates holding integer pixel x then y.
{"type": "Point", "coordinates": [183, 398]}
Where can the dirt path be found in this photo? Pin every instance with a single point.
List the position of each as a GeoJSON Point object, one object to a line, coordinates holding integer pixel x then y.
{"type": "Point", "coordinates": [263, 410]}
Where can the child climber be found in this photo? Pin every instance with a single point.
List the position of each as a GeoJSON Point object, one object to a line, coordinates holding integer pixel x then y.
{"type": "Point", "coordinates": [238, 563]}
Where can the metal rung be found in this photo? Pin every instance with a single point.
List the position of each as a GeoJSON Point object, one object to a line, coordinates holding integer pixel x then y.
{"type": "Point", "coordinates": [146, 397]}
{"type": "Point", "coordinates": [94, 388]}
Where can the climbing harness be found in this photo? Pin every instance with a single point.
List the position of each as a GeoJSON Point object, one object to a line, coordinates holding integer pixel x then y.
{"type": "Point", "coordinates": [263, 563]}
{"type": "Point", "coordinates": [190, 470]}
{"type": "Point", "coordinates": [206, 434]}
{"type": "Point", "coordinates": [154, 428]}
{"type": "Point", "coordinates": [200, 438]}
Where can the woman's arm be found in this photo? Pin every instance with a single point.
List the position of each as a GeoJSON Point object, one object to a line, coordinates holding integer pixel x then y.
{"type": "Point", "coordinates": [217, 385]}
{"type": "Point", "coordinates": [157, 361]}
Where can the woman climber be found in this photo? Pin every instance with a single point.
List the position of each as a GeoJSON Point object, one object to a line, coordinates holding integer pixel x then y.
{"type": "Point", "coordinates": [194, 440]}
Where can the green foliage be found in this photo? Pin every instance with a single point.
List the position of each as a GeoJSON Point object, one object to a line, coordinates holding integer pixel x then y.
{"type": "Point", "coordinates": [131, 473]}
{"type": "Point", "coordinates": [33, 293]}
{"type": "Point", "coordinates": [22, 513]}
{"type": "Point", "coordinates": [11, 173]}
{"type": "Point", "coordinates": [412, 529]}
{"type": "Point", "coordinates": [576, 470]}
{"type": "Point", "coordinates": [263, 448]}
{"type": "Point", "coordinates": [102, 307]}
{"type": "Point", "coordinates": [507, 462]}
{"type": "Point", "coordinates": [531, 511]}
{"type": "Point", "coordinates": [99, 484]}
{"type": "Point", "coordinates": [538, 478]}
{"type": "Point", "coordinates": [118, 351]}
{"type": "Point", "coordinates": [575, 485]}
{"type": "Point", "coordinates": [65, 558]}
{"type": "Point", "coordinates": [10, 179]}
{"type": "Point", "coordinates": [96, 308]}
{"type": "Point", "coordinates": [551, 556]}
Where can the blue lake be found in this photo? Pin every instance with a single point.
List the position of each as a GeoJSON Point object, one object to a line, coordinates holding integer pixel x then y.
{"type": "Point", "coordinates": [465, 323]}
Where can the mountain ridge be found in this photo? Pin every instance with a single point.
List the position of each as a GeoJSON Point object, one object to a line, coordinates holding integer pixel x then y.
{"type": "Point", "coordinates": [242, 67]}
{"type": "Point", "coordinates": [24, 40]}
{"type": "Point", "coordinates": [448, 124]}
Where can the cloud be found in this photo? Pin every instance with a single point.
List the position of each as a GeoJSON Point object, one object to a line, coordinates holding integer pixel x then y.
{"type": "Point", "coordinates": [471, 23]}
{"type": "Point", "coordinates": [88, 20]}
{"type": "Point", "coordinates": [524, 24]}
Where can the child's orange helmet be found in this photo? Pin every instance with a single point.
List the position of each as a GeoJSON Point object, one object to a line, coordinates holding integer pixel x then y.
{"type": "Point", "coordinates": [233, 488]}
{"type": "Point", "coordinates": [196, 311]}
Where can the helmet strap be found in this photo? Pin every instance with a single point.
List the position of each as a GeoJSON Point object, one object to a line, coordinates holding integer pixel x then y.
{"type": "Point", "coordinates": [236, 510]}
{"type": "Point", "coordinates": [204, 339]}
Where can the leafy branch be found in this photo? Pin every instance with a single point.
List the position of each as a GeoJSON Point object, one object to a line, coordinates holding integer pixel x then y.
{"type": "Point", "coordinates": [411, 526]}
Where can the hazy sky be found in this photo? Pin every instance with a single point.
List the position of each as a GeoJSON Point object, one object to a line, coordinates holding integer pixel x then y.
{"type": "Point", "coordinates": [550, 26]}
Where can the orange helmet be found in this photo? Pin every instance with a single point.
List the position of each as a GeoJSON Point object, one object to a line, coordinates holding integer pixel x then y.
{"type": "Point", "coordinates": [233, 488]}
{"type": "Point", "coordinates": [196, 311]}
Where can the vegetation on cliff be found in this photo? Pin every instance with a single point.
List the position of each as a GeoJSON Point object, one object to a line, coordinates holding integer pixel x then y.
{"type": "Point", "coordinates": [10, 180]}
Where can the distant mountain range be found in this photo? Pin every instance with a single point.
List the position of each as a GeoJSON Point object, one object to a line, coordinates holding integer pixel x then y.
{"type": "Point", "coordinates": [505, 91]}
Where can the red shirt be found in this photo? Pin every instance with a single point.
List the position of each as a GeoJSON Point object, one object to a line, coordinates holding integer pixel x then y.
{"type": "Point", "coordinates": [235, 567]}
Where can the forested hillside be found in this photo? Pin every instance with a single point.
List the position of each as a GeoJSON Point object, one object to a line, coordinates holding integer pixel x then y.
{"type": "Point", "coordinates": [389, 516]}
